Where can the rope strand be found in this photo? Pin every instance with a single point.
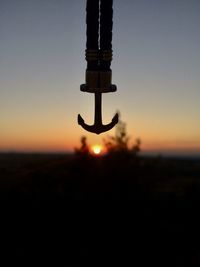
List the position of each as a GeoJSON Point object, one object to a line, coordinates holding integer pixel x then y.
{"type": "Point", "coordinates": [92, 32]}
{"type": "Point", "coordinates": [99, 22]}
{"type": "Point", "coordinates": [106, 25]}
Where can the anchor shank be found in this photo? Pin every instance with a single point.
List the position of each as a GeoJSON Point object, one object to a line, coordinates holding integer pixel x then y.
{"type": "Point", "coordinates": [98, 114]}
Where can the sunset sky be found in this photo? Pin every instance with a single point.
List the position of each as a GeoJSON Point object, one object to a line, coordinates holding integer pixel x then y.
{"type": "Point", "coordinates": [156, 67]}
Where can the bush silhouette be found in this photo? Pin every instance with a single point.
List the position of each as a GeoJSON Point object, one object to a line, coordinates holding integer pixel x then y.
{"type": "Point", "coordinates": [84, 148]}
{"type": "Point", "coordinates": [119, 143]}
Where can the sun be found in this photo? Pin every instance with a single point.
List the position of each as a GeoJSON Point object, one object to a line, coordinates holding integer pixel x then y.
{"type": "Point", "coordinates": [96, 149]}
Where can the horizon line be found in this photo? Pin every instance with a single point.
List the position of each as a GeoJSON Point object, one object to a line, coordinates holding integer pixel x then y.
{"type": "Point", "coordinates": [162, 152]}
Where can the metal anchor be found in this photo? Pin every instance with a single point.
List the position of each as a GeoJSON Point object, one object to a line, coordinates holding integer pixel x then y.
{"type": "Point", "coordinates": [98, 126]}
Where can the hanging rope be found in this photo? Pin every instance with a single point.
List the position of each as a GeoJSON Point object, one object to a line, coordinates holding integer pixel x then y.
{"type": "Point", "coordinates": [106, 24]}
{"type": "Point", "coordinates": [92, 34]}
{"type": "Point", "coordinates": [99, 20]}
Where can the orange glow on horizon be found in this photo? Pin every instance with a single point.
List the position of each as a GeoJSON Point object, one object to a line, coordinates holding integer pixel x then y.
{"type": "Point", "coordinates": [59, 140]}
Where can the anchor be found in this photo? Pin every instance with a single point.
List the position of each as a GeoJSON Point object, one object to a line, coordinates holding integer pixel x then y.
{"type": "Point", "coordinates": [98, 127]}
{"type": "Point", "coordinates": [98, 56]}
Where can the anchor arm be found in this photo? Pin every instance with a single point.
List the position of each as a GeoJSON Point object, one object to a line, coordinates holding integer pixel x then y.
{"type": "Point", "coordinates": [98, 127]}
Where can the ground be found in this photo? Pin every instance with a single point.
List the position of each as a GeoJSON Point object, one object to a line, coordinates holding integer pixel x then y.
{"type": "Point", "coordinates": [94, 211]}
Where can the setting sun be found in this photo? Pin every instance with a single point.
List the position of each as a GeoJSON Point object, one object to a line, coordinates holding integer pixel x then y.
{"type": "Point", "coordinates": [97, 149]}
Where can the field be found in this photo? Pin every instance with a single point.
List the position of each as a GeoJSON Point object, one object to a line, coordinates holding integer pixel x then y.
{"type": "Point", "coordinates": [94, 211]}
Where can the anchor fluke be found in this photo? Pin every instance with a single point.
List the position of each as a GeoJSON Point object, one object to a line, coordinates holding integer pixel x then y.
{"type": "Point", "coordinates": [98, 127]}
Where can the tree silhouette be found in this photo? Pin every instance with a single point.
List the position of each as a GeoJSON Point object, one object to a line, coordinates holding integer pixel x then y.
{"type": "Point", "coordinates": [84, 148]}
{"type": "Point", "coordinates": [119, 143]}
{"type": "Point", "coordinates": [136, 147]}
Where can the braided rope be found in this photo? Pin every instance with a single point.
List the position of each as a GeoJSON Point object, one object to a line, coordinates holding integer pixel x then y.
{"type": "Point", "coordinates": [99, 20]}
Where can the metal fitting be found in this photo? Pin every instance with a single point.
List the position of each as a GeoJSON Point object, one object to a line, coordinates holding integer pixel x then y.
{"type": "Point", "coordinates": [106, 55]}
{"type": "Point", "coordinates": [105, 79]}
{"type": "Point", "coordinates": [92, 79]}
{"type": "Point", "coordinates": [91, 55]}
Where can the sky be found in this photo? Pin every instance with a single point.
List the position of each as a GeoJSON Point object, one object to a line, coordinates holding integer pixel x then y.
{"type": "Point", "coordinates": [156, 67]}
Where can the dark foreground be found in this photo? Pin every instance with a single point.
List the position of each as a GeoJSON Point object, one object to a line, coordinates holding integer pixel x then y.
{"type": "Point", "coordinates": [53, 210]}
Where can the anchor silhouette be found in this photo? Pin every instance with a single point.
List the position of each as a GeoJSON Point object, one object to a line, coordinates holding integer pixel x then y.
{"type": "Point", "coordinates": [98, 126]}
{"type": "Point", "coordinates": [98, 57]}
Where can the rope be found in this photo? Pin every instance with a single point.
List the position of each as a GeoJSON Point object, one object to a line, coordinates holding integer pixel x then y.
{"type": "Point", "coordinates": [106, 24]}
{"type": "Point", "coordinates": [92, 32]}
{"type": "Point", "coordinates": [99, 21]}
